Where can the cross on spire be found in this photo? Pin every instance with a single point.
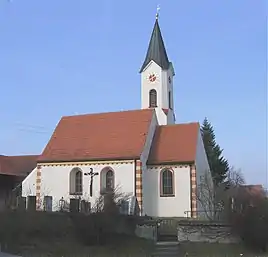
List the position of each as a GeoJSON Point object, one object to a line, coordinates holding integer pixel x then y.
{"type": "Point", "coordinates": [157, 11]}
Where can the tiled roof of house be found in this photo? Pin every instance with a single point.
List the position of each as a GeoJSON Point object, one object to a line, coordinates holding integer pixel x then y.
{"type": "Point", "coordinates": [174, 144]}
{"type": "Point", "coordinates": [17, 165]}
{"type": "Point", "coordinates": [165, 111]}
{"type": "Point", "coordinates": [102, 136]}
{"type": "Point", "coordinates": [252, 190]}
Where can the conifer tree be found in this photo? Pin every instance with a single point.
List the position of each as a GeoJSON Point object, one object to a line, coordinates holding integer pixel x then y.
{"type": "Point", "coordinates": [219, 166]}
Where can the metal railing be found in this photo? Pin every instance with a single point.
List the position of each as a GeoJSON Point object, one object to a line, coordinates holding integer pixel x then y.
{"type": "Point", "coordinates": [216, 215]}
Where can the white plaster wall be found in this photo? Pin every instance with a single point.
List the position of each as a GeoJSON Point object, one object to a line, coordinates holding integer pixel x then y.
{"type": "Point", "coordinates": [167, 206]}
{"type": "Point", "coordinates": [202, 169]}
{"type": "Point", "coordinates": [161, 116]}
{"type": "Point", "coordinates": [144, 158]}
{"type": "Point", "coordinates": [171, 114]}
{"type": "Point", "coordinates": [28, 184]}
{"type": "Point", "coordinates": [55, 181]}
{"type": "Point", "coordinates": [146, 85]}
{"type": "Point", "coordinates": [162, 86]}
{"type": "Point", "coordinates": [171, 118]}
{"type": "Point", "coordinates": [165, 89]}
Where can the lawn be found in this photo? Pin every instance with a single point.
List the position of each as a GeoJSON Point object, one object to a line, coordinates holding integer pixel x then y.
{"type": "Point", "coordinates": [126, 247]}
{"type": "Point", "coordinates": [215, 250]}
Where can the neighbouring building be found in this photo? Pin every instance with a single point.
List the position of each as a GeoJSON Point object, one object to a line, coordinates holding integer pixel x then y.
{"type": "Point", "coordinates": [13, 170]}
{"type": "Point", "coordinates": [142, 152]}
{"type": "Point", "coordinates": [242, 196]}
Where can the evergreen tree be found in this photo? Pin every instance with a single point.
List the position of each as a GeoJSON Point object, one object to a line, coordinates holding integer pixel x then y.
{"type": "Point", "coordinates": [219, 166]}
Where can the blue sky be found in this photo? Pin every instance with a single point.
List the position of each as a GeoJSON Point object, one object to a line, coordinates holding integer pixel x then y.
{"type": "Point", "coordinates": [66, 57]}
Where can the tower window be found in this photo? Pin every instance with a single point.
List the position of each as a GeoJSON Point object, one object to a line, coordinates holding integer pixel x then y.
{"type": "Point", "coordinates": [152, 98]}
{"type": "Point", "coordinates": [169, 100]}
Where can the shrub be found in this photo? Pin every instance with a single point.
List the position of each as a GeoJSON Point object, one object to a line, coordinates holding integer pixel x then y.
{"type": "Point", "coordinates": [251, 224]}
{"type": "Point", "coordinates": [93, 229]}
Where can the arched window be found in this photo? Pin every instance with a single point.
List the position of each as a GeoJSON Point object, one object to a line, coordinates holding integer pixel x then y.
{"type": "Point", "coordinates": [107, 180]}
{"type": "Point", "coordinates": [76, 182]}
{"type": "Point", "coordinates": [167, 183]}
{"type": "Point", "coordinates": [152, 98]}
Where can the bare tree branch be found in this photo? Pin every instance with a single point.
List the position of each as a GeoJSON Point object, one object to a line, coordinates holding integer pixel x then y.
{"type": "Point", "coordinates": [206, 196]}
{"type": "Point", "coordinates": [235, 177]}
{"type": "Point", "coordinates": [214, 201]}
{"type": "Point", "coordinates": [114, 198]}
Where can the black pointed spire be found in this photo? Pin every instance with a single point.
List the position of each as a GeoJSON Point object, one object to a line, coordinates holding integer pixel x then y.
{"type": "Point", "coordinates": [156, 51]}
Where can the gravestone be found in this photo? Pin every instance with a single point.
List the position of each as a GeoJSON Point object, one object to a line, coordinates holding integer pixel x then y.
{"type": "Point", "coordinates": [21, 203]}
{"type": "Point", "coordinates": [74, 205]}
{"type": "Point", "coordinates": [88, 207]}
{"type": "Point", "coordinates": [124, 208]}
{"type": "Point", "coordinates": [83, 206]}
{"type": "Point", "coordinates": [31, 203]}
{"type": "Point", "coordinates": [13, 202]}
{"type": "Point", "coordinates": [47, 203]}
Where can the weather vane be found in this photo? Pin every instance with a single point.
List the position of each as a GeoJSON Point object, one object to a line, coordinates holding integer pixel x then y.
{"type": "Point", "coordinates": [157, 11]}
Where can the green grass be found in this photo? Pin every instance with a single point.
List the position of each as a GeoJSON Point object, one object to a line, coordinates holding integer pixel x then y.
{"type": "Point", "coordinates": [216, 250]}
{"type": "Point", "coordinates": [126, 247]}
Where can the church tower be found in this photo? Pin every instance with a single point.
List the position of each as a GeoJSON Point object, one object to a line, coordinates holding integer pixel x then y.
{"type": "Point", "coordinates": [157, 79]}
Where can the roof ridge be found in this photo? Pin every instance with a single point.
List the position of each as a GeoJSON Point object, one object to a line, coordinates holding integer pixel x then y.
{"type": "Point", "coordinates": [24, 155]}
{"type": "Point", "coordinates": [180, 124]}
{"type": "Point", "coordinates": [253, 185]}
{"type": "Point", "coordinates": [102, 113]}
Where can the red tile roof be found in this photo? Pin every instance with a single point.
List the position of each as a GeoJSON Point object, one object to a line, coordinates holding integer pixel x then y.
{"type": "Point", "coordinates": [165, 111]}
{"type": "Point", "coordinates": [174, 144]}
{"type": "Point", "coordinates": [103, 136]}
{"type": "Point", "coordinates": [253, 190]}
{"type": "Point", "coordinates": [17, 165]}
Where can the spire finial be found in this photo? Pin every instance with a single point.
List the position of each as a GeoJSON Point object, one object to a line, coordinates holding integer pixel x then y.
{"type": "Point", "coordinates": [157, 11]}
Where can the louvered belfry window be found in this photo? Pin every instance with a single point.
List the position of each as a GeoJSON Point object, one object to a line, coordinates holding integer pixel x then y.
{"type": "Point", "coordinates": [152, 98]}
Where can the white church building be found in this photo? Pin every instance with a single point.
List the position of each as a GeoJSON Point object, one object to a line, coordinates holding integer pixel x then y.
{"type": "Point", "coordinates": [143, 152]}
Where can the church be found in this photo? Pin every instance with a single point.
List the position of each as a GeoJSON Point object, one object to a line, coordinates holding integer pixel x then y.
{"type": "Point", "coordinates": [144, 152]}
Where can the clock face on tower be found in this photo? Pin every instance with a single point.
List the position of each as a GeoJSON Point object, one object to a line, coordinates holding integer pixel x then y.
{"type": "Point", "coordinates": [152, 77]}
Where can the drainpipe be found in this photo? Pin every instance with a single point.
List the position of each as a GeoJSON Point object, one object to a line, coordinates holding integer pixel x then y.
{"type": "Point", "coordinates": [135, 177]}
